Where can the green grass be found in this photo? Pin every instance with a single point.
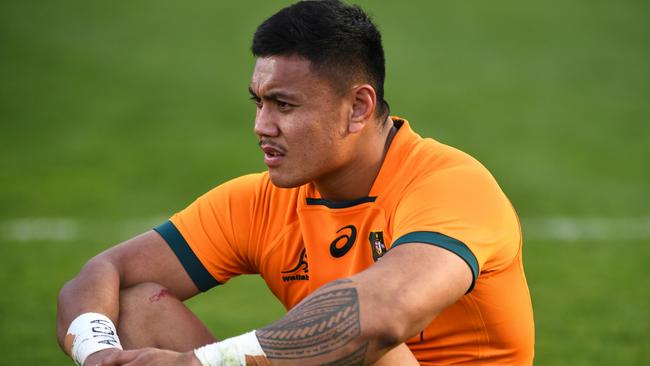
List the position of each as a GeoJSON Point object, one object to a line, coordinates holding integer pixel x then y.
{"type": "Point", "coordinates": [589, 302]}
{"type": "Point", "coordinates": [123, 111]}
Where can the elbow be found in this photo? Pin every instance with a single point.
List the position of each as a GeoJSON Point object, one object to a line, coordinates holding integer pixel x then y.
{"type": "Point", "coordinates": [388, 339]}
{"type": "Point", "coordinates": [66, 294]}
{"type": "Point", "coordinates": [69, 295]}
{"type": "Point", "coordinates": [396, 324]}
{"type": "Point", "coordinates": [69, 286]}
{"type": "Point", "coordinates": [62, 293]}
{"type": "Point", "coordinates": [390, 331]}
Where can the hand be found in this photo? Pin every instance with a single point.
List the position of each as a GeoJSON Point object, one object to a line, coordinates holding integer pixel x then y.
{"type": "Point", "coordinates": [141, 357]}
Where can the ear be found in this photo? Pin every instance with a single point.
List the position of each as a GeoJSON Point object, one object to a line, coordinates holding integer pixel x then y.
{"type": "Point", "coordinates": [363, 107]}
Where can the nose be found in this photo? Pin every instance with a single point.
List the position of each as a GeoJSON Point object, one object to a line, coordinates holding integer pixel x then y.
{"type": "Point", "coordinates": [265, 124]}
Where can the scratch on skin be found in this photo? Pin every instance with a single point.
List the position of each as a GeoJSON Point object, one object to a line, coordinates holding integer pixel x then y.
{"type": "Point", "coordinates": [160, 295]}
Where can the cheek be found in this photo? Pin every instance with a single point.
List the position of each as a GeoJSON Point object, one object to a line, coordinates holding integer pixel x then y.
{"type": "Point", "coordinates": [310, 150]}
{"type": "Point", "coordinates": [314, 136]}
{"type": "Point", "coordinates": [325, 150]}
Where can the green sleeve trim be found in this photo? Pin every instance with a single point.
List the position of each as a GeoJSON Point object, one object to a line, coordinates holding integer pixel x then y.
{"type": "Point", "coordinates": [443, 241]}
{"type": "Point", "coordinates": [193, 266]}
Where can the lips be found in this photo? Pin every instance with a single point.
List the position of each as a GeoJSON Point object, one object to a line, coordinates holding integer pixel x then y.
{"type": "Point", "coordinates": [273, 154]}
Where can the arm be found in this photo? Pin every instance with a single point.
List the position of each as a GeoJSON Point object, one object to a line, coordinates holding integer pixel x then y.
{"type": "Point", "coordinates": [353, 321]}
{"type": "Point", "coordinates": [356, 320]}
{"type": "Point", "coordinates": [145, 258]}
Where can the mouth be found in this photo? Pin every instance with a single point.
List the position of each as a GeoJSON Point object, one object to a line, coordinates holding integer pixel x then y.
{"type": "Point", "coordinates": [273, 154]}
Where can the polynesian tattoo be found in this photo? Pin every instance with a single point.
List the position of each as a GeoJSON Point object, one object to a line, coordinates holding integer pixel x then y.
{"type": "Point", "coordinates": [327, 320]}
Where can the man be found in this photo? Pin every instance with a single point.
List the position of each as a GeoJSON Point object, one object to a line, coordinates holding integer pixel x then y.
{"type": "Point", "coordinates": [372, 236]}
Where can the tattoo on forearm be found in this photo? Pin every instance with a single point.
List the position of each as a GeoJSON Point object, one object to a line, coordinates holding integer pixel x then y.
{"type": "Point", "coordinates": [324, 322]}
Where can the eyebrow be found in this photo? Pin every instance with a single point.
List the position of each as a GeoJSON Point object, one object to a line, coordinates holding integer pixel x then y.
{"type": "Point", "coordinates": [273, 95]}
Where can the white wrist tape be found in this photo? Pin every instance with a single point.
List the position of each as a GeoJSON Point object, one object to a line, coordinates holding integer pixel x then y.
{"type": "Point", "coordinates": [92, 332]}
{"type": "Point", "coordinates": [231, 352]}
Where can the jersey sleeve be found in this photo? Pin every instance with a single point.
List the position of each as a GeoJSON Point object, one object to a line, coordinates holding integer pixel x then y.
{"type": "Point", "coordinates": [211, 236]}
{"type": "Point", "coordinates": [463, 210]}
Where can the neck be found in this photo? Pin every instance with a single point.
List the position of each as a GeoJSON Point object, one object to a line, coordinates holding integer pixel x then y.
{"type": "Point", "coordinates": [355, 179]}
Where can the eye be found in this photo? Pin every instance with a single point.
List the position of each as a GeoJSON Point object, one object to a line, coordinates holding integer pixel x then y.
{"type": "Point", "coordinates": [284, 106]}
{"type": "Point", "coordinates": [257, 101]}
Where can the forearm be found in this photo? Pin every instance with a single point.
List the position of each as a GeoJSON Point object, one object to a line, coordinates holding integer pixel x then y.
{"type": "Point", "coordinates": [95, 289]}
{"type": "Point", "coordinates": [355, 321]}
{"type": "Point", "coordinates": [341, 323]}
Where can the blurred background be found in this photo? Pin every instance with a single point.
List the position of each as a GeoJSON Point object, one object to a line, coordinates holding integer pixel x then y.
{"type": "Point", "coordinates": [115, 115]}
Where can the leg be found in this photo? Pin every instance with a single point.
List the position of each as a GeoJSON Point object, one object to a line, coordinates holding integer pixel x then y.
{"type": "Point", "coordinates": [150, 316]}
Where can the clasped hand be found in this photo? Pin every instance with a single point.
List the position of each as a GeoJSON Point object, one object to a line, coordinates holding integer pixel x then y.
{"type": "Point", "coordinates": [141, 357]}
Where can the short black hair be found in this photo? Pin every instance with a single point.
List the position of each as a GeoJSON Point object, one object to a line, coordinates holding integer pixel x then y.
{"type": "Point", "coordinates": [341, 42]}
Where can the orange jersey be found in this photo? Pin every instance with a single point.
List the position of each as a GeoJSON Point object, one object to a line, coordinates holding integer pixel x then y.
{"type": "Point", "coordinates": [425, 192]}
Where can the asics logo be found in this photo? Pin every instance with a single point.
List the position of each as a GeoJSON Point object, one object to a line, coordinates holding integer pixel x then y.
{"type": "Point", "coordinates": [343, 243]}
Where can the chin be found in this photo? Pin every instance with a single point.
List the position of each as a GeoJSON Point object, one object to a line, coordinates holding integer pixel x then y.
{"type": "Point", "coordinates": [282, 181]}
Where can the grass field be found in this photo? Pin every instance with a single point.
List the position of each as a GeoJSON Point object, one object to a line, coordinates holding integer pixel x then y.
{"type": "Point", "coordinates": [114, 115]}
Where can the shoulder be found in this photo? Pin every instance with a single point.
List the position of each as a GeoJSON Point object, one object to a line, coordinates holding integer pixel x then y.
{"type": "Point", "coordinates": [450, 178]}
{"type": "Point", "coordinates": [415, 157]}
{"type": "Point", "coordinates": [444, 167]}
{"type": "Point", "coordinates": [452, 193]}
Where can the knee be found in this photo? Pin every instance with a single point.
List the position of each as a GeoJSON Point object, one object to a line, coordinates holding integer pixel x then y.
{"type": "Point", "coordinates": [151, 316]}
{"type": "Point", "coordinates": [141, 295]}
{"type": "Point", "coordinates": [142, 304]}
{"type": "Point", "coordinates": [144, 298]}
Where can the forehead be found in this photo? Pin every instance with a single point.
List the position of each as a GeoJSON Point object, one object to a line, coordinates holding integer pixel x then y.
{"type": "Point", "coordinates": [289, 73]}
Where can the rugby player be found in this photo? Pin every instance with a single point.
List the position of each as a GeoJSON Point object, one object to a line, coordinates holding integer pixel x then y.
{"type": "Point", "coordinates": [384, 246]}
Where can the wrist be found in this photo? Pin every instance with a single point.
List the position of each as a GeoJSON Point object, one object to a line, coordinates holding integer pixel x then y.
{"type": "Point", "coordinates": [90, 333]}
{"type": "Point", "coordinates": [233, 351]}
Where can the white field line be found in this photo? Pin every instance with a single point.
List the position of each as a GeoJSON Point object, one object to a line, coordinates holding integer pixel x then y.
{"type": "Point", "coordinates": [568, 229]}
{"type": "Point", "coordinates": [71, 229]}
{"type": "Point", "coordinates": [555, 229]}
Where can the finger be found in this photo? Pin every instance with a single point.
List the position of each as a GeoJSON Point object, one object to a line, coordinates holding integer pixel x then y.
{"type": "Point", "coordinates": [97, 357]}
{"type": "Point", "coordinates": [146, 358]}
{"type": "Point", "coordinates": [139, 360]}
{"type": "Point", "coordinates": [119, 358]}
